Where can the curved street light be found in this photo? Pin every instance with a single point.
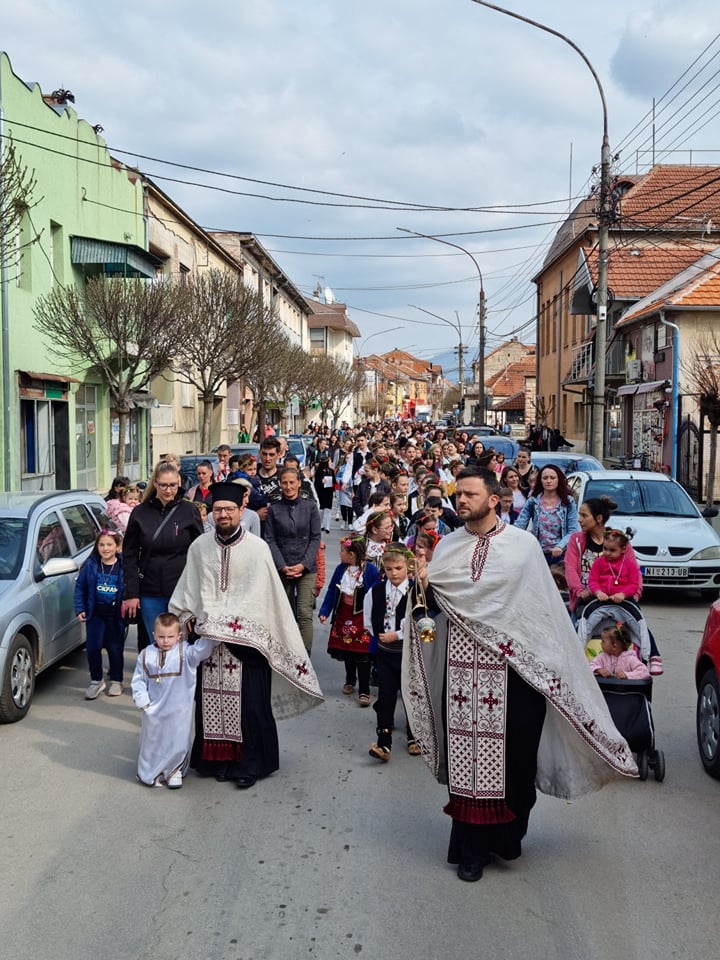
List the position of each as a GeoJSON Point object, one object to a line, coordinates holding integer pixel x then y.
{"type": "Point", "coordinates": [461, 350]}
{"type": "Point", "coordinates": [598, 401]}
{"type": "Point", "coordinates": [360, 360]}
{"type": "Point", "coordinates": [377, 334]}
{"type": "Point", "coordinates": [481, 312]}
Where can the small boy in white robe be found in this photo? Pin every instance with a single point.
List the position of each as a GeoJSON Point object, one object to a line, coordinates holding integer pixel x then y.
{"type": "Point", "coordinates": [163, 687]}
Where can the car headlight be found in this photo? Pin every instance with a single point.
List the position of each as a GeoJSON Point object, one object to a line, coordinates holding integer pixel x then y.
{"type": "Point", "coordinates": [709, 553]}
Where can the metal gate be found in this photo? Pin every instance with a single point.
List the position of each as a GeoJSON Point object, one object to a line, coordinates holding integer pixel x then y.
{"type": "Point", "coordinates": [689, 453]}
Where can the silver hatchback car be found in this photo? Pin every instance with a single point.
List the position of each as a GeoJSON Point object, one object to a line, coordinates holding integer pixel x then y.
{"type": "Point", "coordinates": [44, 540]}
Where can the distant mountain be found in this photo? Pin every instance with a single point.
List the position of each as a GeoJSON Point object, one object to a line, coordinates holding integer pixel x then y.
{"type": "Point", "coordinates": [449, 362]}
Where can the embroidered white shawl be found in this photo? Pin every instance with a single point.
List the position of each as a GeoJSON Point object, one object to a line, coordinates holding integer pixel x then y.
{"type": "Point", "coordinates": [253, 611]}
{"type": "Point", "coordinates": [513, 610]}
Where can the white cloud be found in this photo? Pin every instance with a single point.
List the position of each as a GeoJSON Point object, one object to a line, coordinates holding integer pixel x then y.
{"type": "Point", "coordinates": [432, 101]}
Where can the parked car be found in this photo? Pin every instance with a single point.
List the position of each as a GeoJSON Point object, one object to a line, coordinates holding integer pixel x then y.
{"type": "Point", "coordinates": [675, 545]}
{"type": "Point", "coordinates": [189, 462]}
{"type": "Point", "coordinates": [480, 430]}
{"type": "Point", "coordinates": [501, 444]}
{"type": "Point", "coordinates": [568, 461]}
{"type": "Point", "coordinates": [44, 540]}
{"type": "Point", "coordinates": [296, 445]}
{"type": "Point", "coordinates": [707, 714]}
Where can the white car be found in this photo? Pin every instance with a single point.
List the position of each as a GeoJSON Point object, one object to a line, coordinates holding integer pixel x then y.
{"type": "Point", "coordinates": [675, 544]}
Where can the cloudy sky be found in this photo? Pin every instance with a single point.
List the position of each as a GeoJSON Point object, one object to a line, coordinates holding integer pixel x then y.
{"type": "Point", "coordinates": [380, 110]}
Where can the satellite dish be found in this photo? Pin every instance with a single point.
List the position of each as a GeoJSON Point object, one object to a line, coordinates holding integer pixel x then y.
{"type": "Point", "coordinates": [329, 295]}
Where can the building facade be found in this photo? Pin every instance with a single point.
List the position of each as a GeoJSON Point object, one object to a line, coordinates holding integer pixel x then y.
{"type": "Point", "coordinates": [83, 218]}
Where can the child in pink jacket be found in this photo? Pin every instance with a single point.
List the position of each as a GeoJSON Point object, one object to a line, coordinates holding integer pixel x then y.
{"type": "Point", "coordinates": [615, 575]}
{"type": "Point", "coordinates": [618, 658]}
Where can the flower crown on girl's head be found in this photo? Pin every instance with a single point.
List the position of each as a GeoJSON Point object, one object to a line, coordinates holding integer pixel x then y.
{"type": "Point", "coordinates": [350, 542]}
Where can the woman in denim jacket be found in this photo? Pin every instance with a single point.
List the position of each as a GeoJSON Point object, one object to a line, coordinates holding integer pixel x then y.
{"type": "Point", "coordinates": [552, 511]}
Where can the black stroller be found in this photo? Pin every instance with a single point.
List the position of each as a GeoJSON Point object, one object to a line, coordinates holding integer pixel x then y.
{"type": "Point", "coordinates": [628, 700]}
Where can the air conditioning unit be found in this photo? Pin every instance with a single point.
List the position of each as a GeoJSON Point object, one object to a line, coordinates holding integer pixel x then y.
{"type": "Point", "coordinates": [633, 370]}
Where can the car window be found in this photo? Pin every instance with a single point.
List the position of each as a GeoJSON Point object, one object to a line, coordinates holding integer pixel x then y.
{"type": "Point", "coordinates": [666, 499]}
{"type": "Point", "coordinates": [296, 447]}
{"type": "Point", "coordinates": [81, 526]}
{"type": "Point", "coordinates": [51, 539]}
{"type": "Point", "coordinates": [102, 518]}
{"type": "Point", "coordinates": [12, 546]}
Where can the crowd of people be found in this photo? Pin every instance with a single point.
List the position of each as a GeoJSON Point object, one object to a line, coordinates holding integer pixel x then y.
{"type": "Point", "coordinates": [225, 580]}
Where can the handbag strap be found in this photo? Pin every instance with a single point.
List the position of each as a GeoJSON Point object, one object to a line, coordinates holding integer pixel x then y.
{"type": "Point", "coordinates": [165, 519]}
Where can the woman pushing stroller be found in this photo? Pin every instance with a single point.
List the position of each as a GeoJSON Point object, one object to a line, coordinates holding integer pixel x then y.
{"type": "Point", "coordinates": [600, 564]}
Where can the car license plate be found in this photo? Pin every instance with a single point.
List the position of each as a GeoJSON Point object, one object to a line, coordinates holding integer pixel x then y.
{"type": "Point", "coordinates": [665, 571]}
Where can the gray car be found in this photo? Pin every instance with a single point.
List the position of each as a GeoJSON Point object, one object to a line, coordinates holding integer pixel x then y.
{"type": "Point", "coordinates": [44, 540]}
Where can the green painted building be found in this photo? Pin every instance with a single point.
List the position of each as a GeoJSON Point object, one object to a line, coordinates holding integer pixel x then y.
{"type": "Point", "coordinates": [84, 217]}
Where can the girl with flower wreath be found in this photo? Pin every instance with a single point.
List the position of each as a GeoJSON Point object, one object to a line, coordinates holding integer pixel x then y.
{"type": "Point", "coordinates": [349, 641]}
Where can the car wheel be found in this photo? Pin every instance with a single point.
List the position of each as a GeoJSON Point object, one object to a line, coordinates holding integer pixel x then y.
{"type": "Point", "coordinates": [18, 683]}
{"type": "Point", "coordinates": [708, 723]}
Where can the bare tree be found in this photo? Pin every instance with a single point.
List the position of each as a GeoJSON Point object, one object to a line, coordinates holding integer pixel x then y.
{"type": "Point", "coordinates": [268, 359]}
{"type": "Point", "coordinates": [222, 333]}
{"type": "Point", "coordinates": [16, 189]}
{"type": "Point", "coordinates": [125, 329]}
{"type": "Point", "coordinates": [702, 370]}
{"type": "Point", "coordinates": [336, 382]}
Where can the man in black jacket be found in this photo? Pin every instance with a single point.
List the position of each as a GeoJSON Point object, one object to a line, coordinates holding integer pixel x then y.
{"type": "Point", "coordinates": [292, 531]}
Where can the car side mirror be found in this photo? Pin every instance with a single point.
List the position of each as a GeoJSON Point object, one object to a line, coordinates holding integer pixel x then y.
{"type": "Point", "coordinates": [710, 512]}
{"type": "Point", "coordinates": [57, 567]}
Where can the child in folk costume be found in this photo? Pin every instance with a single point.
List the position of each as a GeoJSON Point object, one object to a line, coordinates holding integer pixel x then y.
{"type": "Point", "coordinates": [163, 687]}
{"type": "Point", "coordinates": [349, 641]}
{"type": "Point", "coordinates": [615, 575]}
{"type": "Point", "coordinates": [98, 604]}
{"type": "Point", "coordinates": [385, 611]}
{"type": "Point", "coordinates": [379, 531]}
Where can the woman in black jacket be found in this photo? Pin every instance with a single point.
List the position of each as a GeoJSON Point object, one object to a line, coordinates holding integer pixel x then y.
{"type": "Point", "coordinates": [158, 535]}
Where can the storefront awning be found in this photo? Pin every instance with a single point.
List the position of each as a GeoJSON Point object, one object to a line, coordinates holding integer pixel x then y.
{"type": "Point", "coordinates": [628, 389]}
{"type": "Point", "coordinates": [49, 377]}
{"type": "Point", "coordinates": [118, 259]}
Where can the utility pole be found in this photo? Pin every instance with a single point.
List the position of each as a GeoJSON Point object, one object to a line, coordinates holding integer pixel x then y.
{"type": "Point", "coordinates": [481, 353]}
{"type": "Point", "coordinates": [461, 359]}
{"type": "Point", "coordinates": [481, 307]}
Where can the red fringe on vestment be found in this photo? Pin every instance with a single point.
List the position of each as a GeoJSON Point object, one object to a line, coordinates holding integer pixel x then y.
{"type": "Point", "coordinates": [475, 810]}
{"type": "Point", "coordinates": [221, 750]}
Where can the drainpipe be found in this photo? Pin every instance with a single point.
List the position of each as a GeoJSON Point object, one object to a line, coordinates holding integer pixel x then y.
{"type": "Point", "coordinates": [5, 311]}
{"type": "Point", "coordinates": [675, 391]}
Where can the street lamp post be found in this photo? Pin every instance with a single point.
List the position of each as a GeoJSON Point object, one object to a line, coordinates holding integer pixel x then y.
{"type": "Point", "coordinates": [481, 312]}
{"type": "Point", "coordinates": [597, 437]}
{"type": "Point", "coordinates": [461, 350]}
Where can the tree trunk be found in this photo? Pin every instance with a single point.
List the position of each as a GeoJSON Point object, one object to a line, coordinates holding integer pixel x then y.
{"type": "Point", "coordinates": [709, 493]}
{"type": "Point", "coordinates": [122, 415]}
{"type": "Point", "coordinates": [260, 409]}
{"type": "Point", "coordinates": [208, 400]}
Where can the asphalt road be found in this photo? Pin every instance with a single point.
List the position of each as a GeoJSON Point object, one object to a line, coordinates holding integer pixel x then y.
{"type": "Point", "coordinates": [337, 856]}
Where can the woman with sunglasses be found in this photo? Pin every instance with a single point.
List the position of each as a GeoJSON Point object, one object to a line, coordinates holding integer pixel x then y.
{"type": "Point", "coordinates": [159, 533]}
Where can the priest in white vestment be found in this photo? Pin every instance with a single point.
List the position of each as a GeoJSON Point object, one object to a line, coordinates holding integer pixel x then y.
{"type": "Point", "coordinates": [503, 699]}
{"type": "Point", "coordinates": [230, 591]}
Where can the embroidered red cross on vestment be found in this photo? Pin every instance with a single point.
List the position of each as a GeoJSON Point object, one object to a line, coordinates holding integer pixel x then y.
{"type": "Point", "coordinates": [235, 625]}
{"type": "Point", "coordinates": [490, 701]}
{"type": "Point", "coordinates": [460, 698]}
{"type": "Point", "coordinates": [301, 669]}
{"type": "Point", "coordinates": [506, 648]}
{"type": "Point", "coordinates": [231, 665]}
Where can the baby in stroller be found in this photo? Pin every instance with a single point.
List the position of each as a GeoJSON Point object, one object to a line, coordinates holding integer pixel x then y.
{"type": "Point", "coordinates": [618, 658]}
{"type": "Point", "coordinates": [617, 661]}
